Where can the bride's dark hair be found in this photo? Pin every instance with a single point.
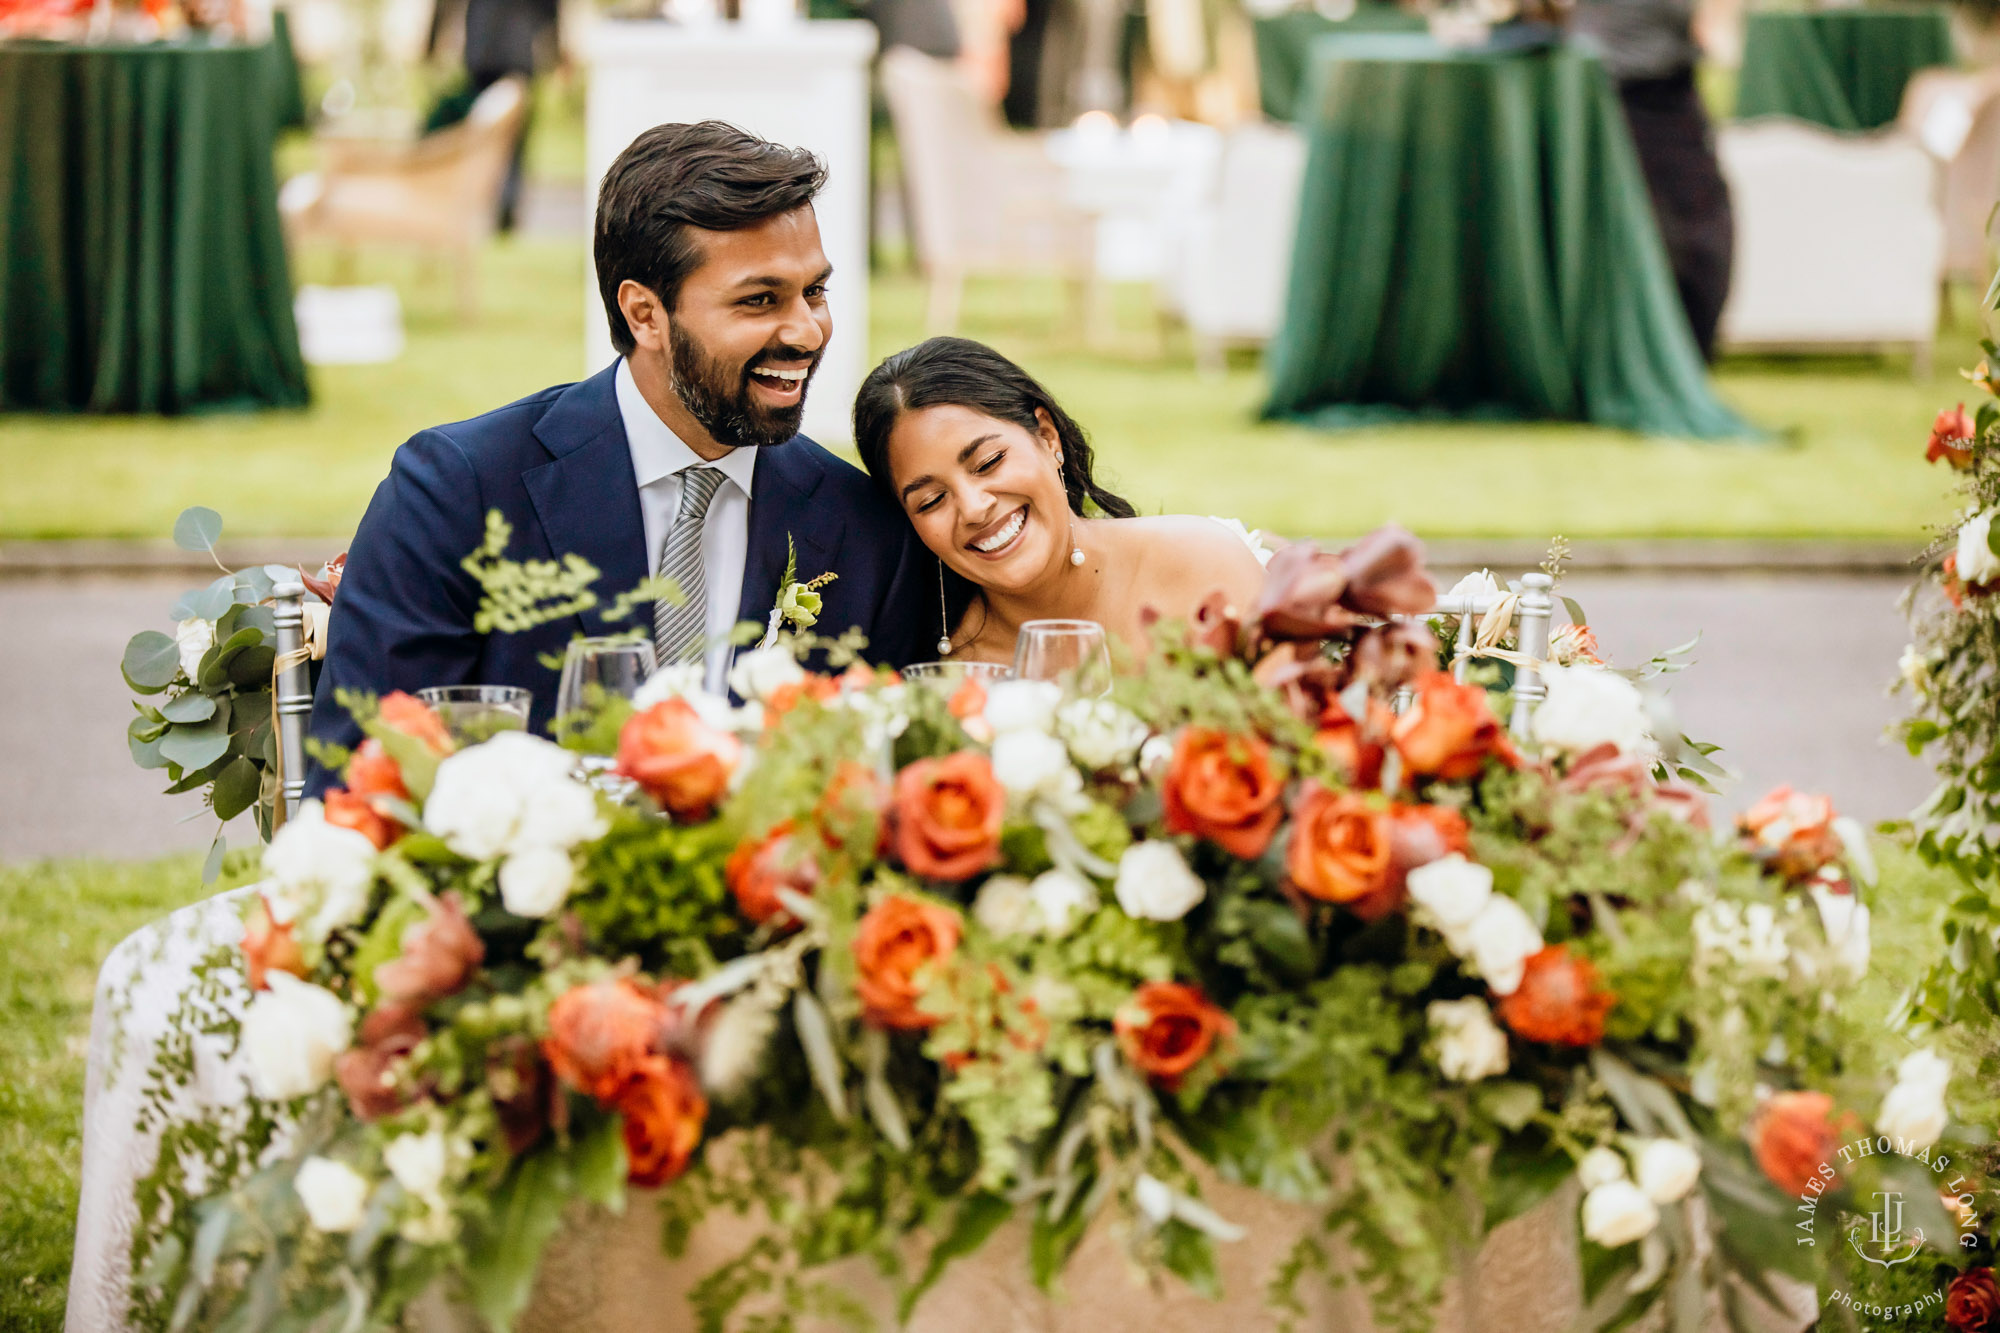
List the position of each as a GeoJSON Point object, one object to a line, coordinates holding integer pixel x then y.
{"type": "Point", "coordinates": [959, 372]}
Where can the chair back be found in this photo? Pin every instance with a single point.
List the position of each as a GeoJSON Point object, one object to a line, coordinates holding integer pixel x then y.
{"type": "Point", "coordinates": [1482, 619]}
{"type": "Point", "coordinates": [940, 131]}
{"type": "Point", "coordinates": [1955, 116]}
{"type": "Point", "coordinates": [293, 698]}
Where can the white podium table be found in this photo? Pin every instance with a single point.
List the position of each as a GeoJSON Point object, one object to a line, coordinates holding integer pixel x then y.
{"type": "Point", "coordinates": [804, 84]}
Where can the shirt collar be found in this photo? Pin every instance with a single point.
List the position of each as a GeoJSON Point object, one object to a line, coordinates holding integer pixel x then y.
{"type": "Point", "coordinates": [658, 453]}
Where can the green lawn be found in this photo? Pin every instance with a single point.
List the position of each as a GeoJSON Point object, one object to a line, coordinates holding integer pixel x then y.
{"type": "Point", "coordinates": [1848, 462]}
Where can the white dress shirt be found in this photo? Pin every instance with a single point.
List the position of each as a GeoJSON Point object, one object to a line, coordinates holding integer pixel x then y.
{"type": "Point", "coordinates": [658, 458]}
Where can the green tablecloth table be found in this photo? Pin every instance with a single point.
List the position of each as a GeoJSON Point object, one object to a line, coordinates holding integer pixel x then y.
{"type": "Point", "coordinates": [144, 267]}
{"type": "Point", "coordinates": [1475, 239]}
{"type": "Point", "coordinates": [1843, 68]}
{"type": "Point", "coordinates": [1284, 48]}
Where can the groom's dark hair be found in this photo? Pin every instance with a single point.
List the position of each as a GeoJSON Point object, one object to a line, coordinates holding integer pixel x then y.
{"type": "Point", "coordinates": [709, 175]}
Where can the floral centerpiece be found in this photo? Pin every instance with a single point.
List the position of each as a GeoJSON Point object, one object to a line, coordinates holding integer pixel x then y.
{"type": "Point", "coordinates": [950, 958]}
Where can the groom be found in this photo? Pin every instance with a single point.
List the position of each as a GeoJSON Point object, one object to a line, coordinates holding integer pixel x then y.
{"type": "Point", "coordinates": [682, 459]}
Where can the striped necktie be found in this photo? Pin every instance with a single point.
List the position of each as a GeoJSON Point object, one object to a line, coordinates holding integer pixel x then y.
{"type": "Point", "coordinates": [678, 631]}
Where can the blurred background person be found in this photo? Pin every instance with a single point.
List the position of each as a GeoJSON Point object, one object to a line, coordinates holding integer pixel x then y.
{"type": "Point", "coordinates": [1649, 49]}
{"type": "Point", "coordinates": [500, 38]}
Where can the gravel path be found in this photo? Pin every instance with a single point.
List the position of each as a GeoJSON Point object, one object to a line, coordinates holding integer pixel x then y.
{"type": "Point", "coordinates": [1789, 679]}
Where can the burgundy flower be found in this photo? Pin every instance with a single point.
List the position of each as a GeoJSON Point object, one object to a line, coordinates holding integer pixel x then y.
{"type": "Point", "coordinates": [1386, 575]}
{"type": "Point", "coordinates": [1303, 588]}
{"type": "Point", "coordinates": [1391, 656]}
{"type": "Point", "coordinates": [440, 954]}
{"type": "Point", "coordinates": [368, 1072]}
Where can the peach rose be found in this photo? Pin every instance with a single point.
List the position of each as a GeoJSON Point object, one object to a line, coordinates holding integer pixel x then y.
{"type": "Point", "coordinates": [371, 772]}
{"type": "Point", "coordinates": [368, 1071]}
{"type": "Point", "coordinates": [599, 1034]}
{"type": "Point", "coordinates": [416, 719]}
{"type": "Point", "coordinates": [1340, 846]}
{"type": "Point", "coordinates": [1559, 1000]}
{"type": "Point", "coordinates": [1794, 831]}
{"type": "Point", "coordinates": [789, 695]}
{"type": "Point", "coordinates": [1418, 835]}
{"type": "Point", "coordinates": [899, 948]}
{"type": "Point", "coordinates": [664, 1114]}
{"type": "Point", "coordinates": [1167, 1027]}
{"type": "Point", "coordinates": [1449, 731]}
{"type": "Point", "coordinates": [440, 954]}
{"type": "Point", "coordinates": [1793, 1136]}
{"type": "Point", "coordinates": [1952, 434]}
{"type": "Point", "coordinates": [947, 816]}
{"type": "Point", "coordinates": [269, 947]}
{"type": "Point", "coordinates": [1223, 788]}
{"type": "Point", "coordinates": [677, 759]}
{"type": "Point", "coordinates": [345, 809]}
{"type": "Point", "coordinates": [757, 870]}
{"type": "Point", "coordinates": [853, 805]}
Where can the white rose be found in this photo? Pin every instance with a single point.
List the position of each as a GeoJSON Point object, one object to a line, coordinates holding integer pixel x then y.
{"type": "Point", "coordinates": [761, 672]}
{"type": "Point", "coordinates": [1154, 756]}
{"type": "Point", "coordinates": [290, 1036]}
{"type": "Point", "coordinates": [418, 1162]}
{"type": "Point", "coordinates": [194, 638]}
{"type": "Point", "coordinates": [1452, 891]}
{"type": "Point", "coordinates": [1618, 1213]}
{"type": "Point", "coordinates": [318, 872]}
{"type": "Point", "coordinates": [1100, 734]}
{"type": "Point", "coordinates": [1030, 763]}
{"type": "Point", "coordinates": [1021, 705]}
{"type": "Point", "coordinates": [1155, 884]}
{"type": "Point", "coordinates": [1845, 920]}
{"type": "Point", "coordinates": [1063, 900]}
{"type": "Point", "coordinates": [1600, 1166]}
{"type": "Point", "coordinates": [512, 792]}
{"type": "Point", "coordinates": [686, 680]}
{"type": "Point", "coordinates": [1006, 906]}
{"type": "Point", "coordinates": [1667, 1169]}
{"type": "Point", "coordinates": [1589, 706]}
{"type": "Point", "coordinates": [535, 881]}
{"type": "Point", "coordinates": [1503, 939]}
{"type": "Point", "coordinates": [1976, 561]}
{"type": "Point", "coordinates": [1915, 1109]}
{"type": "Point", "coordinates": [1470, 1045]}
{"type": "Point", "coordinates": [1479, 583]}
{"type": "Point", "coordinates": [335, 1195]}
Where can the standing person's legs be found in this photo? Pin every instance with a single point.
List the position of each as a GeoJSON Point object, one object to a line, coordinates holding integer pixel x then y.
{"type": "Point", "coordinates": [510, 189]}
{"type": "Point", "coordinates": [1677, 154]}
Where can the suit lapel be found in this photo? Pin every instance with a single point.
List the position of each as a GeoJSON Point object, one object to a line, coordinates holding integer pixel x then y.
{"type": "Point", "coordinates": [782, 516]}
{"type": "Point", "coordinates": [587, 498]}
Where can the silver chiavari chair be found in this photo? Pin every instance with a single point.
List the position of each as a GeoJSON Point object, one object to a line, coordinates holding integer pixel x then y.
{"type": "Point", "coordinates": [1483, 620]}
{"type": "Point", "coordinates": [292, 698]}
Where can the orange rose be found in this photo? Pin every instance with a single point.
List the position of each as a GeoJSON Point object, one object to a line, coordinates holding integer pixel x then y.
{"type": "Point", "coordinates": [899, 947]}
{"type": "Point", "coordinates": [600, 1034]}
{"type": "Point", "coordinates": [968, 705]}
{"type": "Point", "coordinates": [1972, 1302]}
{"type": "Point", "coordinates": [367, 1071]}
{"type": "Point", "coordinates": [1952, 434]}
{"type": "Point", "coordinates": [787, 696]}
{"type": "Point", "coordinates": [1793, 1137]}
{"type": "Point", "coordinates": [1340, 846]}
{"type": "Point", "coordinates": [269, 947]}
{"type": "Point", "coordinates": [947, 816]}
{"type": "Point", "coordinates": [1418, 835]}
{"type": "Point", "coordinates": [664, 1113]}
{"type": "Point", "coordinates": [1794, 832]}
{"type": "Point", "coordinates": [1356, 749]}
{"type": "Point", "coordinates": [1167, 1027]}
{"type": "Point", "coordinates": [440, 954]}
{"type": "Point", "coordinates": [371, 772]}
{"type": "Point", "coordinates": [852, 807]}
{"type": "Point", "coordinates": [757, 870]}
{"type": "Point", "coordinates": [1223, 788]}
{"type": "Point", "coordinates": [679, 760]}
{"type": "Point", "coordinates": [1449, 731]}
{"type": "Point", "coordinates": [344, 809]}
{"type": "Point", "coordinates": [415, 719]}
{"type": "Point", "coordinates": [1559, 1000]}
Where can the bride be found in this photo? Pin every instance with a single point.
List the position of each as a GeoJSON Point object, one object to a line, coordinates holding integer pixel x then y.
{"type": "Point", "coordinates": [996, 479]}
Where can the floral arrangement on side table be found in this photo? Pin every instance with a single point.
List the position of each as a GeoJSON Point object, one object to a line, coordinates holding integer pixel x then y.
{"type": "Point", "coordinates": [957, 958]}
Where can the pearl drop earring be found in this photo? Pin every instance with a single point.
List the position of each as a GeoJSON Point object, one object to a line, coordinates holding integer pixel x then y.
{"type": "Point", "coordinates": [1076, 556]}
{"type": "Point", "coordinates": [944, 617]}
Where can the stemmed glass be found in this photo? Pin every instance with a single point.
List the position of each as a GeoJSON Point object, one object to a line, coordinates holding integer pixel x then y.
{"type": "Point", "coordinates": [1072, 653]}
{"type": "Point", "coordinates": [475, 713]}
{"type": "Point", "coordinates": [950, 675]}
{"type": "Point", "coordinates": [595, 671]}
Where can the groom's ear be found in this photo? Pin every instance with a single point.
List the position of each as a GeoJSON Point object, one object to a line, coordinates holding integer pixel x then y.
{"type": "Point", "coordinates": [646, 315]}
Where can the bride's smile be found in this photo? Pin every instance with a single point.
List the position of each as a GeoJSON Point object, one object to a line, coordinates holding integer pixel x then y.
{"type": "Point", "coordinates": [988, 492]}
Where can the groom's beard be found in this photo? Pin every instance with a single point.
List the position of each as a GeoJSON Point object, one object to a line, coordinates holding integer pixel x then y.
{"type": "Point", "coordinates": [718, 395]}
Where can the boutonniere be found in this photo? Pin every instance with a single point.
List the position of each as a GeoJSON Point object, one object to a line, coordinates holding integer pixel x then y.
{"type": "Point", "coordinates": [799, 603]}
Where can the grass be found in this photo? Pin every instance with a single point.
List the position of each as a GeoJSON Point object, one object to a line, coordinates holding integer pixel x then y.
{"type": "Point", "coordinates": [1848, 462]}
{"type": "Point", "coordinates": [58, 919]}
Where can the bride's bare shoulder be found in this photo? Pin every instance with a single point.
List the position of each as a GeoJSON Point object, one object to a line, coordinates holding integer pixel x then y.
{"type": "Point", "coordinates": [1186, 549]}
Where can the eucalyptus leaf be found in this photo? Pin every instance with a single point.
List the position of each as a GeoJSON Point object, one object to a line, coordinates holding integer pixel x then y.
{"type": "Point", "coordinates": [211, 866]}
{"type": "Point", "coordinates": [500, 1268]}
{"type": "Point", "coordinates": [253, 585]}
{"type": "Point", "coordinates": [598, 1158]}
{"type": "Point", "coordinates": [199, 745]}
{"type": "Point", "coordinates": [151, 661]}
{"type": "Point", "coordinates": [215, 663]}
{"type": "Point", "coordinates": [210, 602]}
{"type": "Point", "coordinates": [236, 788]}
{"type": "Point", "coordinates": [263, 619]}
{"type": "Point", "coordinates": [252, 667]}
{"type": "Point", "coordinates": [197, 529]}
{"type": "Point", "coordinates": [189, 708]}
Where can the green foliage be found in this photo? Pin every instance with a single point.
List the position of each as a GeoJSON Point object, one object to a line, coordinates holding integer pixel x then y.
{"type": "Point", "coordinates": [518, 595]}
{"type": "Point", "coordinates": [656, 892]}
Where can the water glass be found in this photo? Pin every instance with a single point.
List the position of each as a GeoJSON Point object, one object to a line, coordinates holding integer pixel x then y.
{"type": "Point", "coordinates": [597, 670]}
{"type": "Point", "coordinates": [475, 713]}
{"type": "Point", "coordinates": [1072, 653]}
{"type": "Point", "coordinates": [950, 675]}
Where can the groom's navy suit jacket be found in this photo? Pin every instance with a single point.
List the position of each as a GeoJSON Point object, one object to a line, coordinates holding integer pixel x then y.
{"type": "Point", "coordinates": [557, 467]}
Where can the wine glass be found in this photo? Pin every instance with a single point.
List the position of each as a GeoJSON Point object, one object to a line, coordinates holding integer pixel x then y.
{"type": "Point", "coordinates": [950, 675]}
{"type": "Point", "coordinates": [597, 670]}
{"type": "Point", "coordinates": [1072, 653]}
{"type": "Point", "coordinates": [475, 713]}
